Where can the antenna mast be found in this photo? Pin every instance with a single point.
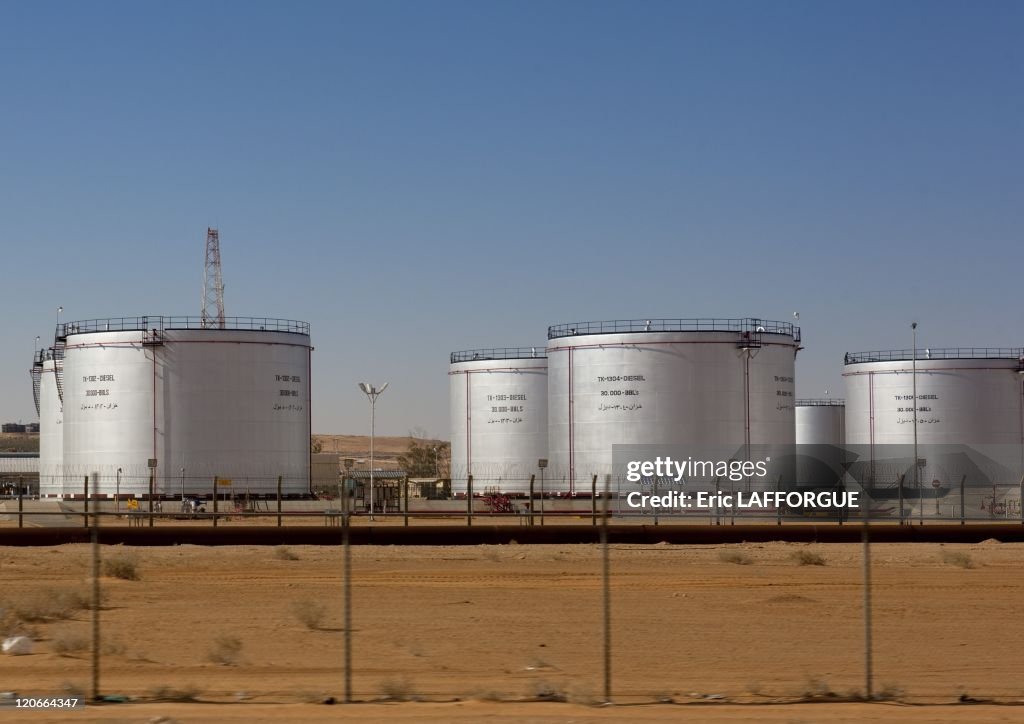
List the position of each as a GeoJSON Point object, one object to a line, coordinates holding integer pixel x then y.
{"type": "Point", "coordinates": [213, 283]}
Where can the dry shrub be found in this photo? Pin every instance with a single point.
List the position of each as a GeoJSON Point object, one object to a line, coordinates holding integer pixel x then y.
{"type": "Point", "coordinates": [45, 605]}
{"type": "Point", "coordinates": [957, 558]}
{"type": "Point", "coordinates": [546, 691]}
{"type": "Point", "coordinates": [733, 556]}
{"type": "Point", "coordinates": [310, 613]}
{"type": "Point", "coordinates": [170, 693]}
{"type": "Point", "coordinates": [121, 565]}
{"type": "Point", "coordinates": [71, 643]}
{"type": "Point", "coordinates": [284, 553]}
{"type": "Point", "coordinates": [225, 650]}
{"type": "Point", "coordinates": [808, 558]}
{"type": "Point", "coordinates": [396, 690]}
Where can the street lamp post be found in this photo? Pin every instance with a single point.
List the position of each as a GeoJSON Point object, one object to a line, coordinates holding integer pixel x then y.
{"type": "Point", "coordinates": [372, 393]}
{"type": "Point", "coordinates": [59, 310]}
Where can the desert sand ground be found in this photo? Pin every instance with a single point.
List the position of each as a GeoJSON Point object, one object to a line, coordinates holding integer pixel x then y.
{"type": "Point", "coordinates": [729, 633]}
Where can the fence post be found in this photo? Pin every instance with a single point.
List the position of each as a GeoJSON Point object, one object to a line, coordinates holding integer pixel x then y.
{"type": "Point", "coordinates": [96, 604]}
{"type": "Point", "coordinates": [85, 510]}
{"type": "Point", "coordinates": [469, 501]}
{"type": "Point", "coordinates": [405, 500]}
{"type": "Point", "coordinates": [778, 506]}
{"type": "Point", "coordinates": [214, 501]}
{"type": "Point", "coordinates": [867, 606]}
{"type": "Point", "coordinates": [532, 477]}
{"type": "Point", "coordinates": [901, 493]}
{"type": "Point", "coordinates": [963, 510]}
{"type": "Point", "coordinates": [1020, 504]}
{"type": "Point", "coordinates": [593, 500]}
{"type": "Point", "coordinates": [278, 501]}
{"type": "Point", "coordinates": [152, 475]}
{"type": "Point", "coordinates": [347, 599]}
{"type": "Point", "coordinates": [21, 503]}
{"type": "Point", "coordinates": [606, 595]}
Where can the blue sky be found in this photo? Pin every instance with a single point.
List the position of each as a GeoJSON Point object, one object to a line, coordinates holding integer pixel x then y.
{"type": "Point", "coordinates": [414, 178]}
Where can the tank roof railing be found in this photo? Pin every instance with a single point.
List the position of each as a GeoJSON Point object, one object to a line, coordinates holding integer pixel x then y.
{"type": "Point", "coordinates": [925, 354]}
{"type": "Point", "coordinates": [822, 402]}
{"type": "Point", "coordinates": [473, 355]}
{"type": "Point", "coordinates": [161, 323]}
{"type": "Point", "coordinates": [746, 324]}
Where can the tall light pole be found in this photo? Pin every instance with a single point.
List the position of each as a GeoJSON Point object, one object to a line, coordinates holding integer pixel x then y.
{"type": "Point", "coordinates": [59, 310]}
{"type": "Point", "coordinates": [913, 374]}
{"type": "Point", "coordinates": [372, 393]}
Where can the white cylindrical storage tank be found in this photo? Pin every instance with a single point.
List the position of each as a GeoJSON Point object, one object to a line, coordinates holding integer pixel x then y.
{"type": "Point", "coordinates": [968, 420]}
{"type": "Point", "coordinates": [51, 427]}
{"type": "Point", "coordinates": [821, 422]}
{"type": "Point", "coordinates": [965, 397]}
{"type": "Point", "coordinates": [499, 407]}
{"type": "Point", "coordinates": [716, 382]}
{"type": "Point", "coordinates": [197, 402]}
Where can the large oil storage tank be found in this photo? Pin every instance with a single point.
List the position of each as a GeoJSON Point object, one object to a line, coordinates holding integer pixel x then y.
{"type": "Point", "coordinates": [499, 408]}
{"type": "Point", "coordinates": [46, 390]}
{"type": "Point", "coordinates": [968, 419]}
{"type": "Point", "coordinates": [821, 422]}
{"type": "Point", "coordinates": [187, 402]}
{"type": "Point", "coordinates": [715, 382]}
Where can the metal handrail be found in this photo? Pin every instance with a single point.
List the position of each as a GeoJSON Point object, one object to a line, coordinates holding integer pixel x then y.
{"type": "Point", "coordinates": [161, 323]}
{"type": "Point", "coordinates": [746, 324]}
{"type": "Point", "coordinates": [930, 353]}
{"type": "Point", "coordinates": [473, 355]}
{"type": "Point", "coordinates": [822, 402]}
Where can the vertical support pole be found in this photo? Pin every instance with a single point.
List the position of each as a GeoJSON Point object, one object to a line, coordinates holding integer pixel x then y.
{"type": "Point", "coordinates": [214, 501]}
{"type": "Point", "coordinates": [85, 510]}
{"type": "Point", "coordinates": [405, 501]}
{"type": "Point", "coordinates": [868, 653]}
{"type": "Point", "coordinates": [1020, 503]}
{"type": "Point", "coordinates": [718, 493]}
{"type": "Point", "coordinates": [96, 604]}
{"type": "Point", "coordinates": [593, 500]}
{"type": "Point", "coordinates": [469, 501]}
{"type": "Point", "coordinates": [902, 478]}
{"type": "Point", "coordinates": [347, 599]}
{"type": "Point", "coordinates": [21, 504]}
{"type": "Point", "coordinates": [655, 493]}
{"type": "Point", "coordinates": [532, 477]}
{"type": "Point", "coordinates": [278, 501]}
{"type": "Point", "coordinates": [963, 510]}
{"type": "Point", "coordinates": [152, 475]}
{"type": "Point", "coordinates": [778, 507]}
{"type": "Point", "coordinates": [606, 596]}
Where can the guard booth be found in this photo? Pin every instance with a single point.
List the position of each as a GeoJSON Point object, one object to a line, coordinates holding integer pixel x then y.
{"type": "Point", "coordinates": [387, 490]}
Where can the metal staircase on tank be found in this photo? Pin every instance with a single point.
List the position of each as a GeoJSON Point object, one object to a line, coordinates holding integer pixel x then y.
{"type": "Point", "coordinates": [59, 345]}
{"type": "Point", "coordinates": [37, 378]}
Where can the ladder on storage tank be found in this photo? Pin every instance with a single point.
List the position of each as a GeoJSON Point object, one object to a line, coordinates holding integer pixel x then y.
{"type": "Point", "coordinates": [37, 378]}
